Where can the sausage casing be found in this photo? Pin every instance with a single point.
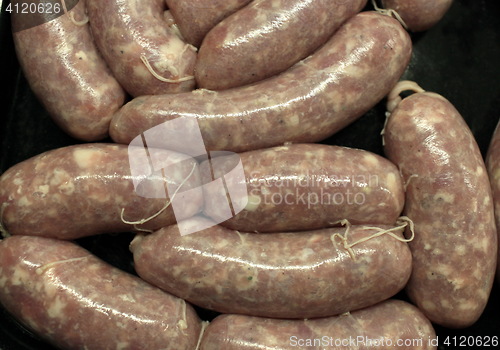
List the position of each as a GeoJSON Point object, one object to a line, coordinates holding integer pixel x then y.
{"type": "Point", "coordinates": [282, 275]}
{"type": "Point", "coordinates": [393, 324]}
{"type": "Point", "coordinates": [67, 73]}
{"type": "Point", "coordinates": [305, 187]}
{"type": "Point", "coordinates": [131, 35]}
{"type": "Point", "coordinates": [448, 197]}
{"type": "Point", "coordinates": [195, 18]}
{"type": "Point", "coordinates": [76, 301]}
{"type": "Point", "coordinates": [309, 102]}
{"type": "Point", "coordinates": [265, 38]}
{"type": "Point", "coordinates": [419, 15]}
{"type": "Point", "coordinates": [493, 166]}
{"type": "Point", "coordinates": [81, 190]}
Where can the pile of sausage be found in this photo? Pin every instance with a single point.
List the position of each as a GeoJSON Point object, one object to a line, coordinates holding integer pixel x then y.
{"type": "Point", "coordinates": [312, 250]}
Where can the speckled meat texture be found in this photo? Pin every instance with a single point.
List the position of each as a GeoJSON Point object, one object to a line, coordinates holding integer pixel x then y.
{"type": "Point", "coordinates": [307, 103]}
{"type": "Point", "coordinates": [68, 75]}
{"type": "Point", "coordinates": [393, 324]}
{"type": "Point", "coordinates": [195, 18]}
{"type": "Point", "coordinates": [284, 275]}
{"type": "Point", "coordinates": [449, 199]}
{"type": "Point", "coordinates": [419, 15]}
{"type": "Point", "coordinates": [493, 166]}
{"type": "Point", "coordinates": [306, 186]}
{"type": "Point", "coordinates": [78, 191]}
{"type": "Point", "coordinates": [126, 29]}
{"type": "Point", "coordinates": [267, 37]}
{"type": "Point", "coordinates": [76, 301]}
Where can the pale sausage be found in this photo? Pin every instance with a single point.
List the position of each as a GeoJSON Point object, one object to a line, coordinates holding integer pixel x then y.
{"type": "Point", "coordinates": [309, 102]}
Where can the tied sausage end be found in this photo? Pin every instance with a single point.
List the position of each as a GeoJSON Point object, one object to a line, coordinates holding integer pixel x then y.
{"type": "Point", "coordinates": [401, 223]}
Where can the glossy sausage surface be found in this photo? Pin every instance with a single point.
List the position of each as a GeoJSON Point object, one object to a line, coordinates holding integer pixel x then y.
{"type": "Point", "coordinates": [81, 190]}
{"type": "Point", "coordinates": [266, 37]}
{"type": "Point", "coordinates": [131, 35]}
{"type": "Point", "coordinates": [419, 15]}
{"type": "Point", "coordinates": [305, 187]}
{"type": "Point", "coordinates": [449, 199]}
{"type": "Point", "coordinates": [393, 324]}
{"type": "Point", "coordinates": [309, 102]}
{"type": "Point", "coordinates": [67, 73]}
{"type": "Point", "coordinates": [493, 166]}
{"type": "Point", "coordinates": [284, 275]}
{"type": "Point", "coordinates": [195, 18]}
{"type": "Point", "coordinates": [76, 301]}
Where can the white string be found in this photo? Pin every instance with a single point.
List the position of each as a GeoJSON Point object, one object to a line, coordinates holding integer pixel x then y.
{"type": "Point", "coordinates": [167, 204]}
{"type": "Point", "coordinates": [159, 77]}
{"type": "Point", "coordinates": [204, 326]}
{"type": "Point", "coordinates": [83, 22]}
{"type": "Point", "coordinates": [382, 133]}
{"type": "Point", "coordinates": [390, 13]}
{"type": "Point", "coordinates": [403, 222]}
{"type": "Point", "coordinates": [45, 267]}
{"type": "Point", "coordinates": [394, 98]}
{"type": "Point", "coordinates": [182, 324]}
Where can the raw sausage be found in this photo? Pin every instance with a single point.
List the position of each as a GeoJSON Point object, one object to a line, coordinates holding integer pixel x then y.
{"type": "Point", "coordinates": [448, 197]}
{"type": "Point", "coordinates": [267, 37]}
{"type": "Point", "coordinates": [76, 301]}
{"type": "Point", "coordinates": [307, 103]}
{"type": "Point", "coordinates": [83, 190]}
{"type": "Point", "coordinates": [133, 35]}
{"type": "Point", "coordinates": [195, 18]}
{"type": "Point", "coordinates": [305, 187]}
{"type": "Point", "coordinates": [419, 15]}
{"type": "Point", "coordinates": [66, 72]}
{"type": "Point", "coordinates": [283, 275]}
{"type": "Point", "coordinates": [493, 166]}
{"type": "Point", "coordinates": [393, 324]}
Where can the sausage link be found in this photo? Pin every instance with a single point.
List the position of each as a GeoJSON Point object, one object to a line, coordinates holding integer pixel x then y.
{"type": "Point", "coordinates": [266, 38]}
{"type": "Point", "coordinates": [493, 166]}
{"type": "Point", "coordinates": [449, 199]}
{"type": "Point", "coordinates": [76, 301]}
{"type": "Point", "coordinates": [131, 35]}
{"type": "Point", "coordinates": [81, 190]}
{"type": "Point", "coordinates": [307, 103]}
{"type": "Point", "coordinates": [195, 18]}
{"type": "Point", "coordinates": [282, 275]}
{"type": "Point", "coordinates": [67, 73]}
{"type": "Point", "coordinates": [393, 324]}
{"type": "Point", "coordinates": [305, 187]}
{"type": "Point", "coordinates": [419, 15]}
